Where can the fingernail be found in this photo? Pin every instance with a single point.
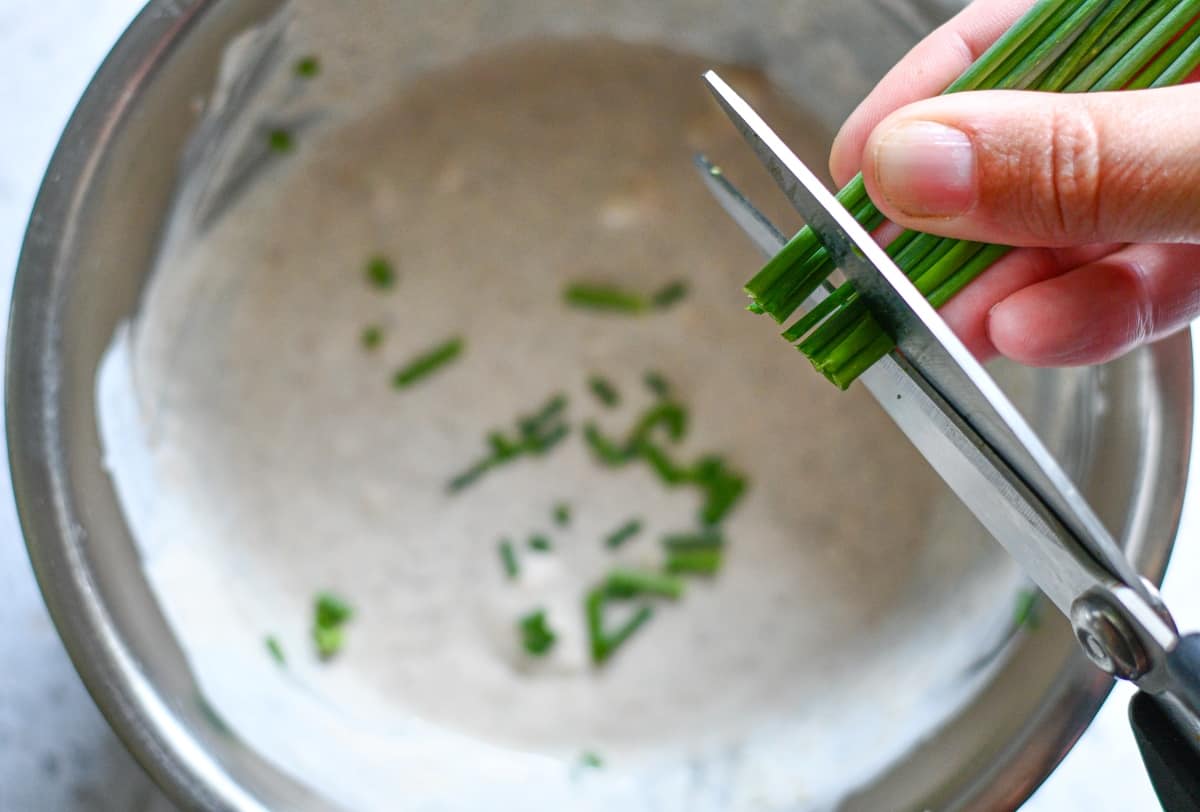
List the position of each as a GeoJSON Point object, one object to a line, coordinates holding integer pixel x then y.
{"type": "Point", "coordinates": [926, 169]}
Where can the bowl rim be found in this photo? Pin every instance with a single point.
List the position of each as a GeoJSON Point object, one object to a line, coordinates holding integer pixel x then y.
{"type": "Point", "coordinates": [145, 722]}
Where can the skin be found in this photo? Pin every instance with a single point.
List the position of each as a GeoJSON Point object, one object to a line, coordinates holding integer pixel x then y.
{"type": "Point", "coordinates": [1102, 189]}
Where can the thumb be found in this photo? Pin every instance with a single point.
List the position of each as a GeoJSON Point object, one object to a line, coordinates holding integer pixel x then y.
{"type": "Point", "coordinates": [1024, 168]}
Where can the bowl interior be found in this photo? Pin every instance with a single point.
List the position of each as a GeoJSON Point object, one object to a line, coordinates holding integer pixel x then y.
{"type": "Point", "coordinates": [93, 241]}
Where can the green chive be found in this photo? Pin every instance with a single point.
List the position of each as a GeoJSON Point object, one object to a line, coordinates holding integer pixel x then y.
{"type": "Point", "coordinates": [280, 141]}
{"type": "Point", "coordinates": [536, 635]}
{"type": "Point", "coordinates": [666, 413]}
{"type": "Point", "coordinates": [328, 641]}
{"type": "Point", "coordinates": [372, 337]}
{"type": "Point", "coordinates": [669, 295]}
{"type": "Point", "coordinates": [469, 477]}
{"type": "Point", "coordinates": [1072, 45]}
{"type": "Point", "coordinates": [275, 649]}
{"type": "Point", "coordinates": [590, 759]}
{"type": "Point", "coordinates": [428, 362]}
{"type": "Point", "coordinates": [622, 583]}
{"type": "Point", "coordinates": [657, 384]}
{"type": "Point", "coordinates": [307, 67]}
{"type": "Point", "coordinates": [604, 391]}
{"type": "Point", "coordinates": [540, 543]}
{"type": "Point", "coordinates": [694, 562]}
{"type": "Point", "coordinates": [330, 615]}
{"type": "Point", "coordinates": [602, 644]}
{"type": "Point", "coordinates": [623, 534]}
{"type": "Point", "coordinates": [1025, 611]}
{"type": "Point", "coordinates": [707, 539]}
{"type": "Point", "coordinates": [605, 450]}
{"type": "Point", "coordinates": [330, 610]}
{"type": "Point", "coordinates": [723, 488]}
{"type": "Point", "coordinates": [380, 273]}
{"type": "Point", "coordinates": [562, 514]}
{"type": "Point", "coordinates": [661, 463]}
{"type": "Point", "coordinates": [508, 557]}
{"type": "Point", "coordinates": [537, 434]}
{"type": "Point", "coordinates": [604, 297]}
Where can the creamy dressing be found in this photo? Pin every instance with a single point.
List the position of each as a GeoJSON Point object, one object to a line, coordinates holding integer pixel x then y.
{"type": "Point", "coordinates": [261, 455]}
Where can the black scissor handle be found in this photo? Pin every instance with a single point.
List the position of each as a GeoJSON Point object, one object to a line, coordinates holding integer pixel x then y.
{"type": "Point", "coordinates": [1170, 744]}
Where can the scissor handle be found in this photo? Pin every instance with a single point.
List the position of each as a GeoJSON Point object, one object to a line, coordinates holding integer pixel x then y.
{"type": "Point", "coordinates": [1168, 741]}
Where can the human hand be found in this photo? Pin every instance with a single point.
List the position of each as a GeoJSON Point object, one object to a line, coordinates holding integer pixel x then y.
{"type": "Point", "coordinates": [1109, 181]}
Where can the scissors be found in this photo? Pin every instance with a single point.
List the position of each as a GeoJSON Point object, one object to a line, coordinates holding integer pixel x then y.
{"type": "Point", "coordinates": [963, 424]}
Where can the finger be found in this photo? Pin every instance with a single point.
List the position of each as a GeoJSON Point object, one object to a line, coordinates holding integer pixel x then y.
{"type": "Point", "coordinates": [967, 313]}
{"type": "Point", "coordinates": [925, 71]}
{"type": "Point", "coordinates": [1101, 310]}
{"type": "Point", "coordinates": [1042, 168]}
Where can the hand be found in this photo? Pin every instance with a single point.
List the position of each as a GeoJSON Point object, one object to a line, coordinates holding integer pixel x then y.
{"type": "Point", "coordinates": [1110, 181]}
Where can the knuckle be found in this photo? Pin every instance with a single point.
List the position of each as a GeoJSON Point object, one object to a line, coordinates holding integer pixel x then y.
{"type": "Point", "coordinates": [1068, 179]}
{"type": "Point", "coordinates": [1054, 178]}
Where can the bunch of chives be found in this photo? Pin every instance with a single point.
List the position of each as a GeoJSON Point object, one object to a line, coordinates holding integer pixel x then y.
{"type": "Point", "coordinates": [1058, 46]}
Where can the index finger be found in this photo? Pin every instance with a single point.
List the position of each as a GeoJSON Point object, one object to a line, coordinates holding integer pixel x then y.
{"type": "Point", "coordinates": [925, 71]}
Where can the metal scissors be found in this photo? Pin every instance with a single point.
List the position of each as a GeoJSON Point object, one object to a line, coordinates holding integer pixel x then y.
{"type": "Point", "coordinates": [962, 423]}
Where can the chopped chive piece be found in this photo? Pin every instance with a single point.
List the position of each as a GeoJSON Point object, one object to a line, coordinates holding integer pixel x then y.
{"type": "Point", "coordinates": [372, 337]}
{"type": "Point", "coordinates": [468, 477]}
{"type": "Point", "coordinates": [536, 635]}
{"type": "Point", "coordinates": [536, 435]}
{"type": "Point", "coordinates": [553, 408]}
{"type": "Point", "coordinates": [1025, 612]}
{"type": "Point", "coordinates": [428, 362]}
{"type": "Point", "coordinates": [546, 442]}
{"type": "Point", "coordinates": [623, 534]}
{"type": "Point", "coordinates": [668, 295]}
{"type": "Point", "coordinates": [508, 557]}
{"type": "Point", "coordinates": [602, 644]}
{"type": "Point", "coordinates": [755, 308]}
{"type": "Point", "coordinates": [380, 273]}
{"type": "Point", "coordinates": [670, 473]}
{"type": "Point", "coordinates": [722, 487]}
{"type": "Point", "coordinates": [280, 140]}
{"type": "Point", "coordinates": [276, 649]}
{"type": "Point", "coordinates": [657, 384]}
{"type": "Point", "coordinates": [694, 561]}
{"type": "Point", "coordinates": [604, 391]}
{"type": "Point", "coordinates": [667, 413]}
{"type": "Point", "coordinates": [328, 641]}
{"type": "Point", "coordinates": [590, 759]}
{"type": "Point", "coordinates": [606, 450]}
{"type": "Point", "coordinates": [562, 514]}
{"type": "Point", "coordinates": [308, 67]}
{"type": "Point", "coordinates": [330, 615]}
{"type": "Point", "coordinates": [707, 539]}
{"type": "Point", "coordinates": [623, 583]}
{"type": "Point", "coordinates": [540, 543]}
{"type": "Point", "coordinates": [604, 297]}
{"type": "Point", "coordinates": [331, 610]}
{"type": "Point", "coordinates": [502, 448]}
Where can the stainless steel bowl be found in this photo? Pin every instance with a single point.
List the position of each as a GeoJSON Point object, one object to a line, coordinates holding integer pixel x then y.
{"type": "Point", "coordinates": [89, 248]}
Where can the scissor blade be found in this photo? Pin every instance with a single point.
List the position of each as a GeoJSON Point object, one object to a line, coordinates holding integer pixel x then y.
{"type": "Point", "coordinates": [980, 479]}
{"type": "Point", "coordinates": [929, 346]}
{"type": "Point", "coordinates": [760, 230]}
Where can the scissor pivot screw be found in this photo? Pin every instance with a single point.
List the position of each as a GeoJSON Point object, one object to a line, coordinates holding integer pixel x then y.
{"type": "Point", "coordinates": [1107, 639]}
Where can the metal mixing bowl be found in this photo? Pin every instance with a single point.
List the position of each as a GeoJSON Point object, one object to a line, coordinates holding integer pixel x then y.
{"type": "Point", "coordinates": [90, 245]}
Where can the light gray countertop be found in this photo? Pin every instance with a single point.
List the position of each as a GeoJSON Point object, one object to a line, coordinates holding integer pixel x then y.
{"type": "Point", "coordinates": [57, 754]}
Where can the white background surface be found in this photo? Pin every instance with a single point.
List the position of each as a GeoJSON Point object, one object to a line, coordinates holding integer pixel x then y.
{"type": "Point", "coordinates": [56, 752]}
